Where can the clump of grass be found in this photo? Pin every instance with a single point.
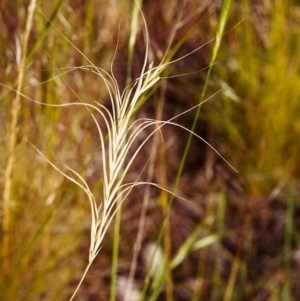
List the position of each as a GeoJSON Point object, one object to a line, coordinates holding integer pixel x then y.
{"type": "Point", "coordinates": [121, 133]}
{"type": "Point", "coordinates": [260, 118]}
{"type": "Point", "coordinates": [117, 138]}
{"type": "Point", "coordinates": [262, 97]}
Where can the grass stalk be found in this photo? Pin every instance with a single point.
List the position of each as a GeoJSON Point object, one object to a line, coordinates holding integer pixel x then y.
{"type": "Point", "coordinates": [116, 238]}
{"type": "Point", "coordinates": [12, 143]}
{"type": "Point", "coordinates": [231, 282]}
{"type": "Point", "coordinates": [285, 292]}
{"type": "Point", "coordinates": [146, 198]}
{"type": "Point", "coordinates": [216, 294]}
{"type": "Point", "coordinates": [167, 249]}
{"type": "Point", "coordinates": [115, 252]}
{"type": "Point", "coordinates": [43, 33]}
{"type": "Point", "coordinates": [226, 4]}
{"type": "Point", "coordinates": [134, 27]}
{"type": "Point", "coordinates": [204, 253]}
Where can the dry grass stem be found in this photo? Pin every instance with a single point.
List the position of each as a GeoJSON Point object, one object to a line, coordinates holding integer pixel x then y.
{"type": "Point", "coordinates": [12, 142]}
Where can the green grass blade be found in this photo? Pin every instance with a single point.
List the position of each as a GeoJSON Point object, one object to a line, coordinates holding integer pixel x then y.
{"type": "Point", "coordinates": [220, 30]}
{"type": "Point", "coordinates": [132, 39]}
{"type": "Point", "coordinates": [43, 33]}
{"type": "Point", "coordinates": [115, 253]}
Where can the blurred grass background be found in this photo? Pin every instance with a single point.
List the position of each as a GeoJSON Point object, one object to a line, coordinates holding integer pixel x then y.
{"type": "Point", "coordinates": [249, 220]}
